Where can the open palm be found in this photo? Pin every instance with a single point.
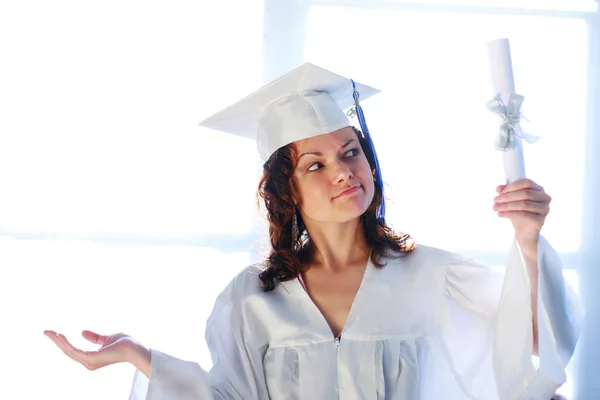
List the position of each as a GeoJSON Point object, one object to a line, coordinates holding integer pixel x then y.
{"type": "Point", "coordinates": [114, 348]}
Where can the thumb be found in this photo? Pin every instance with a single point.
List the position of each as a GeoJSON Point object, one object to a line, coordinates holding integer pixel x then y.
{"type": "Point", "coordinates": [94, 337]}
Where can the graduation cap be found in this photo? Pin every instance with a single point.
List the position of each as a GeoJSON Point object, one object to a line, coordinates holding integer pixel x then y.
{"type": "Point", "coordinates": [306, 102]}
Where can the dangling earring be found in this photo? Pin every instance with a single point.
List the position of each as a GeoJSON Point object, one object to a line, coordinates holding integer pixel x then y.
{"type": "Point", "coordinates": [295, 231]}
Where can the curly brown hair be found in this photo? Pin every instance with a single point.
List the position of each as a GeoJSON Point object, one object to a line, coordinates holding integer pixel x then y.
{"type": "Point", "coordinates": [289, 239]}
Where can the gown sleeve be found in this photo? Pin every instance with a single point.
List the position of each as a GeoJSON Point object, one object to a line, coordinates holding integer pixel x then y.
{"type": "Point", "coordinates": [487, 333]}
{"type": "Point", "coordinates": [237, 371]}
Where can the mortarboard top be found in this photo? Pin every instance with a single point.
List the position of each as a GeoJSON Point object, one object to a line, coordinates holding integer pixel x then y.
{"type": "Point", "coordinates": [306, 102]}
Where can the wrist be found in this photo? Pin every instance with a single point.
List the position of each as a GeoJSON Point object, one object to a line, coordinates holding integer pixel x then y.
{"type": "Point", "coordinates": [529, 252]}
{"type": "Point", "coordinates": [528, 245]}
{"type": "Point", "coordinates": [139, 357]}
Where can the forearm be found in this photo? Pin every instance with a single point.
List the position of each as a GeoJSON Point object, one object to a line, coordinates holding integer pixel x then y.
{"type": "Point", "coordinates": [530, 256]}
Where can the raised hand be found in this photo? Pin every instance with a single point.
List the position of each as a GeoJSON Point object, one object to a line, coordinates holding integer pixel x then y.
{"type": "Point", "coordinates": [526, 205]}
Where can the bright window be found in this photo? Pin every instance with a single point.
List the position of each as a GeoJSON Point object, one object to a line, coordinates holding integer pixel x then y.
{"type": "Point", "coordinates": [430, 125]}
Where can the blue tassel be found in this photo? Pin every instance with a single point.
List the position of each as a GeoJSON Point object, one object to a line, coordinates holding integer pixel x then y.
{"type": "Point", "coordinates": [367, 136]}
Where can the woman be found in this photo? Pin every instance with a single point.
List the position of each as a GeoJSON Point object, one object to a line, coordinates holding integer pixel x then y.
{"type": "Point", "coordinates": [344, 308]}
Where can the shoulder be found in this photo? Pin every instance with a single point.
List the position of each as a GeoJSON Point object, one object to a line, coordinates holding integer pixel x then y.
{"type": "Point", "coordinates": [423, 256]}
{"type": "Point", "coordinates": [430, 261]}
{"type": "Point", "coordinates": [234, 297]}
{"type": "Point", "coordinates": [245, 283]}
{"type": "Point", "coordinates": [461, 275]}
{"type": "Point", "coordinates": [254, 310]}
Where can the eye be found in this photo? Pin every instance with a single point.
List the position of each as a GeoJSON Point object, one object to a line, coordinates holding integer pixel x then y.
{"type": "Point", "coordinates": [352, 153]}
{"type": "Point", "coordinates": [314, 167]}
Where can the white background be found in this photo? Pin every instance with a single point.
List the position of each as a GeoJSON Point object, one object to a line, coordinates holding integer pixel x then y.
{"type": "Point", "coordinates": [119, 213]}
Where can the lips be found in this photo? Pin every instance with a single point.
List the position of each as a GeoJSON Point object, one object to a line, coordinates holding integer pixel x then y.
{"type": "Point", "coordinates": [348, 191]}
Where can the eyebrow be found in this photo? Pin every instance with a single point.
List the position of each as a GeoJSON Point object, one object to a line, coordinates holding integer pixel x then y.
{"type": "Point", "coordinates": [319, 154]}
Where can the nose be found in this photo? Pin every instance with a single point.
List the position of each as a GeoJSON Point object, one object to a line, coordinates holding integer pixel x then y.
{"type": "Point", "coordinates": [342, 172]}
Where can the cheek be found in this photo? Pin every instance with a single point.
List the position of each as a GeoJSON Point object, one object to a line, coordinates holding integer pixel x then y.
{"type": "Point", "coordinates": [367, 181]}
{"type": "Point", "coordinates": [369, 186]}
{"type": "Point", "coordinates": [365, 173]}
{"type": "Point", "coordinates": [306, 190]}
{"type": "Point", "coordinates": [370, 183]}
{"type": "Point", "coordinates": [313, 194]}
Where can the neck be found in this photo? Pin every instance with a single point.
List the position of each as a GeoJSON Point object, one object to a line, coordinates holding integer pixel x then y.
{"type": "Point", "coordinates": [336, 246]}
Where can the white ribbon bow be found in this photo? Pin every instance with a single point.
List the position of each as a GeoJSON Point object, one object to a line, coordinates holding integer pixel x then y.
{"type": "Point", "coordinates": [511, 117]}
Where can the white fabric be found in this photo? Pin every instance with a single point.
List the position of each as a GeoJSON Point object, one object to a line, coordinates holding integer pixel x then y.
{"type": "Point", "coordinates": [429, 325]}
{"type": "Point", "coordinates": [306, 102]}
{"type": "Point", "coordinates": [296, 117]}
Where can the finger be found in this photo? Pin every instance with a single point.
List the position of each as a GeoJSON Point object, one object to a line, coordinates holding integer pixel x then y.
{"type": "Point", "coordinates": [541, 208]}
{"type": "Point", "coordinates": [524, 194]}
{"type": "Point", "coordinates": [500, 188]}
{"type": "Point", "coordinates": [69, 350]}
{"type": "Point", "coordinates": [515, 215]}
{"type": "Point", "coordinates": [94, 337]}
{"type": "Point", "coordinates": [522, 184]}
{"type": "Point", "coordinates": [73, 352]}
{"type": "Point", "coordinates": [55, 337]}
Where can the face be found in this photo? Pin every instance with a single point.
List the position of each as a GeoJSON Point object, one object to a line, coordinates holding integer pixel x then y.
{"type": "Point", "coordinates": [333, 177]}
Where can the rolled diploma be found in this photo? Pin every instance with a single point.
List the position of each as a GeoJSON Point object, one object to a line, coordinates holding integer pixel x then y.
{"type": "Point", "coordinates": [504, 84]}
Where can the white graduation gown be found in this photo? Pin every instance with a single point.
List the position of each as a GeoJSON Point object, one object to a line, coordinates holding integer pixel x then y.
{"type": "Point", "coordinates": [430, 325]}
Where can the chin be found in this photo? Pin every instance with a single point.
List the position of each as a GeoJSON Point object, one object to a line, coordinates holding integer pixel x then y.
{"type": "Point", "coordinates": [350, 212]}
{"type": "Point", "coordinates": [338, 216]}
